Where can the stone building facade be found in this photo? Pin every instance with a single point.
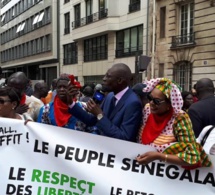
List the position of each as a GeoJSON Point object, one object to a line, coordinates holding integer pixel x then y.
{"type": "Point", "coordinates": [185, 40]}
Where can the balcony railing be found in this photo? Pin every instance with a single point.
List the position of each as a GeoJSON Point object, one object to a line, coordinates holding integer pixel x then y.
{"type": "Point", "coordinates": [183, 41]}
{"type": "Point", "coordinates": [134, 7]}
{"type": "Point", "coordinates": [95, 56]}
{"type": "Point", "coordinates": [181, 1]}
{"type": "Point", "coordinates": [73, 60]}
{"type": "Point", "coordinates": [126, 52]}
{"type": "Point", "coordinates": [89, 19]}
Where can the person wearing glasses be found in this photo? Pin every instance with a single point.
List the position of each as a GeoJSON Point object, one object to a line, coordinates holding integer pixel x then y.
{"type": "Point", "coordinates": [168, 128]}
{"type": "Point", "coordinates": [9, 100]}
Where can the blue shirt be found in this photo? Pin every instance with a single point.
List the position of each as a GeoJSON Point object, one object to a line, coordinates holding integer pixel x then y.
{"type": "Point", "coordinates": [46, 116]}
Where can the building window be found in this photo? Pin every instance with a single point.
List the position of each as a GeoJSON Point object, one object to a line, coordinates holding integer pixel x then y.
{"type": "Point", "coordinates": [42, 44]}
{"type": "Point", "coordinates": [186, 34]}
{"type": "Point", "coordinates": [186, 19]}
{"type": "Point", "coordinates": [35, 19]}
{"type": "Point", "coordinates": [41, 17]}
{"type": "Point", "coordinates": [3, 19]}
{"type": "Point", "coordinates": [134, 5]}
{"type": "Point", "coordinates": [20, 29]}
{"type": "Point", "coordinates": [89, 15]}
{"type": "Point", "coordinates": [96, 48]}
{"type": "Point", "coordinates": [77, 14]}
{"type": "Point", "coordinates": [102, 5]}
{"type": "Point", "coordinates": [31, 23]}
{"type": "Point", "coordinates": [182, 74]}
{"type": "Point", "coordinates": [66, 1]}
{"type": "Point", "coordinates": [129, 42]}
{"type": "Point", "coordinates": [67, 23]}
{"type": "Point", "coordinates": [93, 79]}
{"type": "Point", "coordinates": [48, 42]}
{"type": "Point", "coordinates": [70, 53]}
{"type": "Point", "coordinates": [30, 3]}
{"type": "Point", "coordinates": [38, 20]}
{"type": "Point", "coordinates": [162, 22]}
{"type": "Point", "coordinates": [102, 9]}
{"type": "Point", "coordinates": [21, 6]}
{"type": "Point", "coordinates": [13, 11]}
{"type": "Point", "coordinates": [47, 14]}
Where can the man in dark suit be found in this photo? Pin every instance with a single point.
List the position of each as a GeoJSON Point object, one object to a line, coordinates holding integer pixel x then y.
{"type": "Point", "coordinates": [121, 112]}
{"type": "Point", "coordinates": [202, 113]}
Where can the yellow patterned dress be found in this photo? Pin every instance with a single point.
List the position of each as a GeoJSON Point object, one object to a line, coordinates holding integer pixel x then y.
{"type": "Point", "coordinates": [178, 138]}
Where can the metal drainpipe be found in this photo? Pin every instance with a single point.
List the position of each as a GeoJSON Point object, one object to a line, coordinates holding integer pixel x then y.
{"type": "Point", "coordinates": [153, 40]}
{"type": "Point", "coordinates": [147, 36]}
{"type": "Point", "coordinates": [58, 36]}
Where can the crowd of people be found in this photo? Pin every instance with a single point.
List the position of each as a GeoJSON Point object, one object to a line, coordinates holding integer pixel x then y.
{"type": "Point", "coordinates": [154, 113]}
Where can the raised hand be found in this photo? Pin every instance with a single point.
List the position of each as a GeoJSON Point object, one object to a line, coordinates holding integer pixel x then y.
{"type": "Point", "coordinates": [93, 108]}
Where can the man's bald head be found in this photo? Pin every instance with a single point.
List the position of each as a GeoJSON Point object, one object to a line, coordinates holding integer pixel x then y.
{"type": "Point", "coordinates": [204, 87]}
{"type": "Point", "coordinates": [18, 80]}
{"type": "Point", "coordinates": [122, 70]}
{"type": "Point", "coordinates": [117, 78]}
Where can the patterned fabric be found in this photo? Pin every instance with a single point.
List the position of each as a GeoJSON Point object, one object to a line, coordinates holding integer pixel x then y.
{"type": "Point", "coordinates": [45, 114]}
{"type": "Point", "coordinates": [168, 88]}
{"type": "Point", "coordinates": [178, 138]}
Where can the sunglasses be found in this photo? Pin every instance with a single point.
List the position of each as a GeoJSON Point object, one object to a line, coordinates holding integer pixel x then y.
{"type": "Point", "coordinates": [156, 101]}
{"type": "Point", "coordinates": [2, 101]}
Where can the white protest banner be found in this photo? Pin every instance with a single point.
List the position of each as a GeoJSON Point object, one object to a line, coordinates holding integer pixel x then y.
{"type": "Point", "coordinates": [37, 159]}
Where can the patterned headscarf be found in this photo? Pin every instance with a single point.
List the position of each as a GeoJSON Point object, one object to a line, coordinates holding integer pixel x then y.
{"type": "Point", "coordinates": [169, 89]}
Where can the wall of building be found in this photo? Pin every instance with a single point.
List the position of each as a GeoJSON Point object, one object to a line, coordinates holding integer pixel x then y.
{"type": "Point", "coordinates": [43, 59]}
{"type": "Point", "coordinates": [118, 19]}
{"type": "Point", "coordinates": [202, 55]}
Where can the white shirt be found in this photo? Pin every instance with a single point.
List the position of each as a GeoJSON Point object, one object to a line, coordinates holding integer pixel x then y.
{"type": "Point", "coordinates": [34, 105]}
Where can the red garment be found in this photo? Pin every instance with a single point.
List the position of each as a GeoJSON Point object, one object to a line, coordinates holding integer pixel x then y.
{"type": "Point", "coordinates": [199, 164]}
{"type": "Point", "coordinates": [61, 113]}
{"type": "Point", "coordinates": [154, 126]}
{"type": "Point", "coordinates": [23, 99]}
{"type": "Point", "coordinates": [195, 99]}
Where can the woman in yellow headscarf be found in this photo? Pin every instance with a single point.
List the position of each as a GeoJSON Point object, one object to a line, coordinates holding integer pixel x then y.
{"type": "Point", "coordinates": [168, 128]}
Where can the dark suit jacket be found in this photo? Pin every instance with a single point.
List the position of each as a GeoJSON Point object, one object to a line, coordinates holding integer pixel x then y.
{"type": "Point", "coordinates": [122, 122]}
{"type": "Point", "coordinates": [202, 113]}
